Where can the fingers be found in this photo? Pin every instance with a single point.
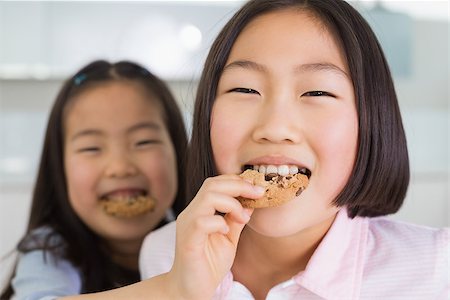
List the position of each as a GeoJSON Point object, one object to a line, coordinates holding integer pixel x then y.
{"type": "Point", "coordinates": [203, 227]}
{"type": "Point", "coordinates": [217, 194]}
{"type": "Point", "coordinates": [207, 241]}
{"type": "Point", "coordinates": [235, 228]}
{"type": "Point", "coordinates": [224, 204]}
{"type": "Point", "coordinates": [212, 224]}
{"type": "Point", "coordinates": [233, 186]}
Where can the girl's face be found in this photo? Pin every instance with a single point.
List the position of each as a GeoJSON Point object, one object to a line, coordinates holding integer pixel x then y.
{"type": "Point", "coordinates": [117, 145]}
{"type": "Point", "coordinates": [285, 97]}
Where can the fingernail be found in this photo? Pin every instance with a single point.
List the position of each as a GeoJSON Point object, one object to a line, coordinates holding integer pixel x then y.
{"type": "Point", "coordinates": [245, 216]}
{"type": "Point", "coordinates": [259, 189]}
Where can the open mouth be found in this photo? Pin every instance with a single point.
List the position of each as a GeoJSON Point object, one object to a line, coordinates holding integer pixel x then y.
{"type": "Point", "coordinates": [282, 184]}
{"type": "Point", "coordinates": [127, 194]}
{"type": "Point", "coordinates": [271, 171]}
{"type": "Point", "coordinates": [127, 203]}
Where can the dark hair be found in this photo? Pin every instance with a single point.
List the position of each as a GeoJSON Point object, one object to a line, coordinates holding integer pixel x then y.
{"type": "Point", "coordinates": [380, 176]}
{"type": "Point", "coordinates": [50, 203]}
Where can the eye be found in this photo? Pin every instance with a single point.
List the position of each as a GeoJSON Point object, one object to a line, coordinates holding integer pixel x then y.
{"type": "Point", "coordinates": [318, 94]}
{"type": "Point", "coordinates": [244, 90]}
{"type": "Point", "coordinates": [89, 150]}
{"type": "Point", "coordinates": [143, 143]}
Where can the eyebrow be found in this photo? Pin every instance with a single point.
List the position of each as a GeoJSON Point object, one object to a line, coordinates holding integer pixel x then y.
{"type": "Point", "coordinates": [310, 67]}
{"type": "Point", "coordinates": [245, 64]}
{"type": "Point", "coordinates": [143, 125]}
{"type": "Point", "coordinates": [321, 67]}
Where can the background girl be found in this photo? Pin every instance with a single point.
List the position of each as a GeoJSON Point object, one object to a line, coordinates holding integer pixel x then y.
{"type": "Point", "coordinates": [299, 84]}
{"type": "Point", "coordinates": [112, 169]}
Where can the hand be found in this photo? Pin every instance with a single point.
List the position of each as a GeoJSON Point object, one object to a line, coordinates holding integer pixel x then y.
{"type": "Point", "coordinates": [206, 242]}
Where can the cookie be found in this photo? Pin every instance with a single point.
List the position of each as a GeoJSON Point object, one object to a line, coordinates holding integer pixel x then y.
{"type": "Point", "coordinates": [279, 189]}
{"type": "Point", "coordinates": [128, 207]}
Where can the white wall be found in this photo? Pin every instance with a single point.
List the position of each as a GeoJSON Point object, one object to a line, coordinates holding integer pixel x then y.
{"type": "Point", "coordinates": [67, 34]}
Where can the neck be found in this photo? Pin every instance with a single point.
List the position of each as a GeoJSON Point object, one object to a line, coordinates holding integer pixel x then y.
{"type": "Point", "coordinates": [124, 253]}
{"type": "Point", "coordinates": [262, 262]}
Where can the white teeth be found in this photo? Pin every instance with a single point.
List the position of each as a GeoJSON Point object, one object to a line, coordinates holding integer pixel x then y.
{"type": "Point", "coordinates": [271, 169]}
{"type": "Point", "coordinates": [282, 170]}
{"type": "Point", "coordinates": [293, 170]}
{"type": "Point", "coordinates": [262, 169]}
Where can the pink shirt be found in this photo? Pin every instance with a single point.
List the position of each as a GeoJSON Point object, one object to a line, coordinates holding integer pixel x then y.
{"type": "Point", "coordinates": [360, 258]}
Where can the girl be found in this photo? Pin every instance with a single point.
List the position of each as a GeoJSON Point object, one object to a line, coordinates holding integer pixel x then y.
{"type": "Point", "coordinates": [301, 84]}
{"type": "Point", "coordinates": [112, 170]}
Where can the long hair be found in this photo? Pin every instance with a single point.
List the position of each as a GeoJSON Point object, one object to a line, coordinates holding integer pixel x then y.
{"type": "Point", "coordinates": [50, 204]}
{"type": "Point", "coordinates": [380, 176]}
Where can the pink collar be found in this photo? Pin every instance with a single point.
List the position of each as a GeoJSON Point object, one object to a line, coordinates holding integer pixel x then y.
{"type": "Point", "coordinates": [335, 269]}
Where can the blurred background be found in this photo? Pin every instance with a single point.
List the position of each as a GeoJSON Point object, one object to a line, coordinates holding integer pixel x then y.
{"type": "Point", "coordinates": [41, 43]}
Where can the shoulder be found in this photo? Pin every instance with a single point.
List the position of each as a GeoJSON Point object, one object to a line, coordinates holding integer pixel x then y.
{"type": "Point", "coordinates": [384, 232]}
{"type": "Point", "coordinates": [158, 251]}
{"type": "Point", "coordinates": [409, 254]}
{"type": "Point", "coordinates": [40, 275]}
{"type": "Point", "coordinates": [42, 237]}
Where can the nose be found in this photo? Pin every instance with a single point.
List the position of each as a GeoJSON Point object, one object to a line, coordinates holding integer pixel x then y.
{"type": "Point", "coordinates": [120, 165]}
{"type": "Point", "coordinates": [278, 123]}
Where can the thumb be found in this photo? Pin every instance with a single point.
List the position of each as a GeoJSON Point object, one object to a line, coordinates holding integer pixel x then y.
{"type": "Point", "coordinates": [235, 228]}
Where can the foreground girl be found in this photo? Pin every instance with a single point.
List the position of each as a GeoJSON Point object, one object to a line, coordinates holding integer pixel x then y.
{"type": "Point", "coordinates": [292, 85]}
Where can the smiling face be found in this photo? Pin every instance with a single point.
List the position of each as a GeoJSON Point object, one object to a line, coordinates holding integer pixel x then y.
{"type": "Point", "coordinates": [285, 100]}
{"type": "Point", "coordinates": [117, 146]}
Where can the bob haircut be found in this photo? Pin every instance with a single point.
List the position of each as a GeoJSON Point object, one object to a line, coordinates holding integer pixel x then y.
{"type": "Point", "coordinates": [50, 203]}
{"type": "Point", "coordinates": [380, 176]}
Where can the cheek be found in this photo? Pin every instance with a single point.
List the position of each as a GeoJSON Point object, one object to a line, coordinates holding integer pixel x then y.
{"type": "Point", "coordinates": [227, 130]}
{"type": "Point", "coordinates": [219, 148]}
{"type": "Point", "coordinates": [161, 171]}
{"type": "Point", "coordinates": [219, 129]}
{"type": "Point", "coordinates": [336, 151]}
{"type": "Point", "coordinates": [80, 178]}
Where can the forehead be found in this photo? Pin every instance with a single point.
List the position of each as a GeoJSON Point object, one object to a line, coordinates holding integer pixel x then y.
{"type": "Point", "coordinates": [292, 34]}
{"type": "Point", "coordinates": [115, 102]}
{"type": "Point", "coordinates": [115, 93]}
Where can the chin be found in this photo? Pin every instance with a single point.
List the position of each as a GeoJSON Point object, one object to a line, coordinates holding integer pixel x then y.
{"type": "Point", "coordinates": [288, 220]}
{"type": "Point", "coordinates": [271, 231]}
{"type": "Point", "coordinates": [268, 224]}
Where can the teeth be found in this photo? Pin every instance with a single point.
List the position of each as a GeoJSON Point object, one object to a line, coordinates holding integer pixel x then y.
{"type": "Point", "coordinates": [271, 169]}
{"type": "Point", "coordinates": [293, 170]}
{"type": "Point", "coordinates": [262, 169]}
{"type": "Point", "coordinates": [282, 170]}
